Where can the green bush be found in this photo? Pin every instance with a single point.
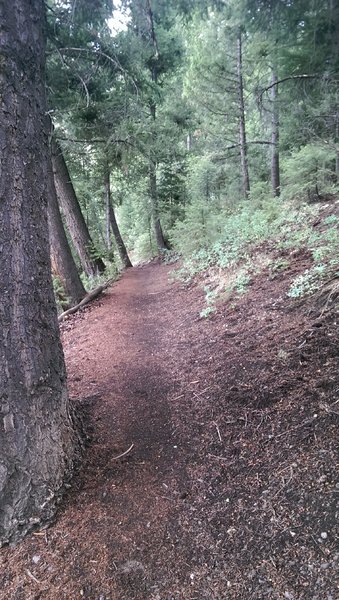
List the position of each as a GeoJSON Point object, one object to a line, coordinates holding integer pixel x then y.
{"type": "Point", "coordinates": [307, 173]}
{"type": "Point", "coordinates": [308, 282]}
{"type": "Point", "coordinates": [236, 234]}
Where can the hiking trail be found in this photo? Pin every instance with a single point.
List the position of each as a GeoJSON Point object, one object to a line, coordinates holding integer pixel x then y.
{"type": "Point", "coordinates": [226, 486]}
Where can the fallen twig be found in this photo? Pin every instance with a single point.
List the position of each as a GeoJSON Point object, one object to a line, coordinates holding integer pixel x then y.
{"type": "Point", "coordinates": [124, 453]}
{"type": "Point", "coordinates": [88, 298]}
{"type": "Point", "coordinates": [32, 576]}
{"type": "Point", "coordinates": [231, 462]}
{"type": "Point", "coordinates": [218, 431]}
{"type": "Point", "coordinates": [197, 394]}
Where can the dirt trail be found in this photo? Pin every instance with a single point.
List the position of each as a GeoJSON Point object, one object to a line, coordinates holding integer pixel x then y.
{"type": "Point", "coordinates": [120, 354]}
{"type": "Point", "coordinates": [229, 489]}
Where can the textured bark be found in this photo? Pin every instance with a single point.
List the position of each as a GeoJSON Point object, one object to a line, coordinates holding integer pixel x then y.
{"type": "Point", "coordinates": [108, 225]}
{"type": "Point", "coordinates": [153, 186]}
{"type": "Point", "coordinates": [337, 143]}
{"type": "Point", "coordinates": [63, 265]}
{"type": "Point", "coordinates": [71, 210]}
{"type": "Point", "coordinates": [161, 244]}
{"type": "Point", "coordinates": [275, 167]}
{"type": "Point", "coordinates": [242, 120]}
{"type": "Point", "coordinates": [38, 441]}
{"type": "Point", "coordinates": [114, 225]}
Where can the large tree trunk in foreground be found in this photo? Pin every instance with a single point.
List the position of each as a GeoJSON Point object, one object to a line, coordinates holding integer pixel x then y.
{"type": "Point", "coordinates": [63, 265]}
{"type": "Point", "coordinates": [37, 438]}
{"type": "Point", "coordinates": [113, 223]}
{"type": "Point", "coordinates": [242, 120]}
{"type": "Point", "coordinates": [71, 210]}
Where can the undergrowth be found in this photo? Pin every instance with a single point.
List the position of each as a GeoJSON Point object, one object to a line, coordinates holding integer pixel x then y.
{"type": "Point", "coordinates": [273, 225]}
{"type": "Point", "coordinates": [90, 281]}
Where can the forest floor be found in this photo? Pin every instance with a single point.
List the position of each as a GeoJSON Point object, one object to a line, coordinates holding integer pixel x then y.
{"type": "Point", "coordinates": [230, 489]}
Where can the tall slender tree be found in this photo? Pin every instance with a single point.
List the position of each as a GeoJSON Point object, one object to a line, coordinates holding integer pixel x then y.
{"type": "Point", "coordinates": [275, 154]}
{"type": "Point", "coordinates": [242, 118]}
{"type": "Point", "coordinates": [113, 222]}
{"type": "Point", "coordinates": [38, 440]}
{"type": "Point", "coordinates": [71, 210]}
{"type": "Point", "coordinates": [63, 264]}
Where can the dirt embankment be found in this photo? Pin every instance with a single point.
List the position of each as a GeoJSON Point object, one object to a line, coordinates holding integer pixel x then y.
{"type": "Point", "coordinates": [229, 490]}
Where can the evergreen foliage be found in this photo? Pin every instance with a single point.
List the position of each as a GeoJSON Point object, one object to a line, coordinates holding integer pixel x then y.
{"type": "Point", "coordinates": [160, 101]}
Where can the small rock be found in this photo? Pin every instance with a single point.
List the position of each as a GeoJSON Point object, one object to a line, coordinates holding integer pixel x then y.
{"type": "Point", "coordinates": [36, 558]}
{"type": "Point", "coordinates": [323, 535]}
{"type": "Point", "coordinates": [131, 566]}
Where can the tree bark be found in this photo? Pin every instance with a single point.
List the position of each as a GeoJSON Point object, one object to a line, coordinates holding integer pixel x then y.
{"type": "Point", "coordinates": [160, 240]}
{"type": "Point", "coordinates": [63, 265]}
{"type": "Point", "coordinates": [159, 236]}
{"type": "Point", "coordinates": [242, 120]}
{"type": "Point", "coordinates": [71, 210]}
{"type": "Point", "coordinates": [275, 167]}
{"type": "Point", "coordinates": [38, 439]}
{"type": "Point", "coordinates": [153, 187]}
{"type": "Point", "coordinates": [114, 225]}
{"type": "Point", "coordinates": [337, 144]}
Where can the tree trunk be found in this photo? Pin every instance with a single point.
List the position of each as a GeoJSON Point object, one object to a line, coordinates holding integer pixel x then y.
{"type": "Point", "coordinates": [242, 120]}
{"type": "Point", "coordinates": [275, 169]}
{"type": "Point", "coordinates": [38, 440]}
{"type": "Point", "coordinates": [71, 210]}
{"type": "Point", "coordinates": [63, 265]}
{"type": "Point", "coordinates": [161, 244]}
{"type": "Point", "coordinates": [114, 225]}
{"type": "Point", "coordinates": [337, 150]}
{"type": "Point", "coordinates": [189, 142]}
{"type": "Point", "coordinates": [108, 225]}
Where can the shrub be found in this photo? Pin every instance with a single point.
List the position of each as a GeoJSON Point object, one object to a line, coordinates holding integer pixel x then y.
{"type": "Point", "coordinates": [307, 173]}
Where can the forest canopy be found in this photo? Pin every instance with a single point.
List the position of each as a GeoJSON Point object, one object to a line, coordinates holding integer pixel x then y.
{"type": "Point", "coordinates": [193, 111]}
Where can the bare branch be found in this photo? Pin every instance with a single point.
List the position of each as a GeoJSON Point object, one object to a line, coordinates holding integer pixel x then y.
{"type": "Point", "coordinates": [110, 140]}
{"type": "Point", "coordinates": [96, 52]}
{"type": "Point", "coordinates": [248, 143]}
{"type": "Point", "coordinates": [78, 76]}
{"type": "Point", "coordinates": [296, 77]}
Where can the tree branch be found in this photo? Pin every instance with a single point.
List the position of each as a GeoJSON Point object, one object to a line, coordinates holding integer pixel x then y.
{"type": "Point", "coordinates": [95, 141]}
{"type": "Point", "coordinates": [269, 87]}
{"type": "Point", "coordinates": [97, 52]}
{"type": "Point", "coordinates": [261, 142]}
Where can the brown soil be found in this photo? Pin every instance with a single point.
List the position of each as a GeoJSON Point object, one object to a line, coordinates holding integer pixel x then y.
{"type": "Point", "coordinates": [229, 491]}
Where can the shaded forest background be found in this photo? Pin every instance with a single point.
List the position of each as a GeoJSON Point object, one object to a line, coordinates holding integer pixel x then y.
{"type": "Point", "coordinates": [196, 130]}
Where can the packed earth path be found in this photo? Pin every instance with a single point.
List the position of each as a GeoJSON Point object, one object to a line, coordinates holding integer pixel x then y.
{"type": "Point", "coordinates": [206, 475]}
